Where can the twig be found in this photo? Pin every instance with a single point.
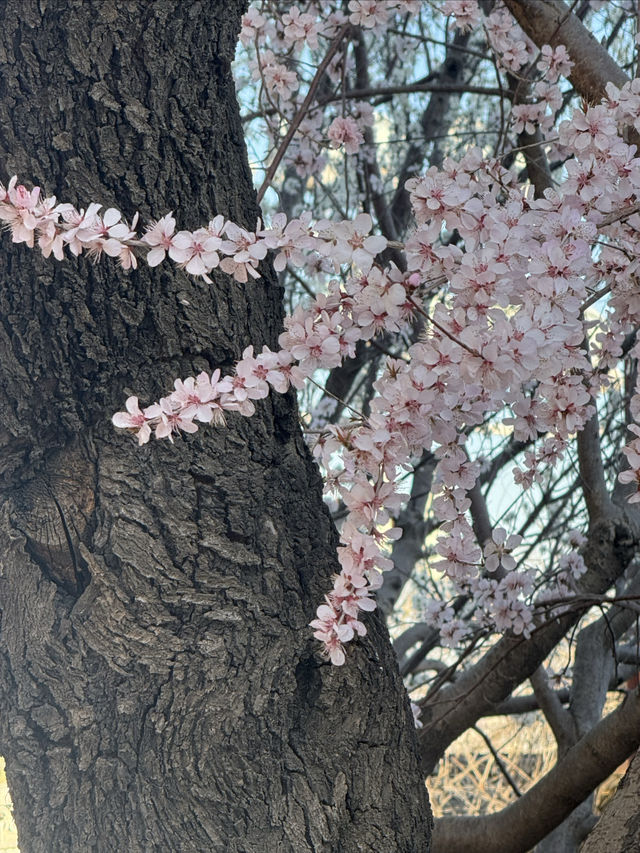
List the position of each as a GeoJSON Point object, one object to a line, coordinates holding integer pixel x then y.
{"type": "Point", "coordinates": [442, 329]}
{"type": "Point", "coordinates": [499, 762]}
{"type": "Point", "coordinates": [333, 47]}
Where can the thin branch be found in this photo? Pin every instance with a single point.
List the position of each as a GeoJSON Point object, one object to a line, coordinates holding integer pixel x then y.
{"type": "Point", "coordinates": [525, 704]}
{"type": "Point", "coordinates": [619, 215]}
{"type": "Point", "coordinates": [499, 762]}
{"type": "Point", "coordinates": [385, 93]}
{"type": "Point", "coordinates": [594, 485]}
{"type": "Point", "coordinates": [282, 148]}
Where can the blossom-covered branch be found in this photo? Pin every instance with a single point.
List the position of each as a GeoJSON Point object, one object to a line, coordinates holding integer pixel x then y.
{"type": "Point", "coordinates": [506, 340]}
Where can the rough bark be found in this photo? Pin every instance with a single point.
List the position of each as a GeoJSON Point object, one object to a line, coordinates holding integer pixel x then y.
{"type": "Point", "coordinates": [618, 830]}
{"type": "Point", "coordinates": [159, 687]}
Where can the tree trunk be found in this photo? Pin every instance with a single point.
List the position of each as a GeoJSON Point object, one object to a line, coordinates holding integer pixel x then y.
{"type": "Point", "coordinates": [159, 686]}
{"type": "Point", "coordinates": [618, 830]}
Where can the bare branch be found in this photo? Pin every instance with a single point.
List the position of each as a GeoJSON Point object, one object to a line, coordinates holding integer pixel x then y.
{"type": "Point", "coordinates": [594, 665]}
{"type": "Point", "coordinates": [594, 486]}
{"type": "Point", "coordinates": [526, 821]}
{"type": "Point", "coordinates": [273, 167]}
{"type": "Point", "coordinates": [386, 93]}
{"type": "Point", "coordinates": [480, 520]}
{"type": "Point", "coordinates": [628, 654]}
{"type": "Point", "coordinates": [555, 714]}
{"type": "Point", "coordinates": [409, 548]}
{"type": "Point", "coordinates": [524, 704]}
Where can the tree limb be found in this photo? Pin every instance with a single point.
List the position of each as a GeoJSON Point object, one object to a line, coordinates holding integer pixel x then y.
{"type": "Point", "coordinates": [526, 821]}
{"type": "Point", "coordinates": [457, 706]}
{"type": "Point", "coordinates": [618, 828]}
{"type": "Point", "coordinates": [525, 704]}
{"type": "Point", "coordinates": [551, 22]}
{"type": "Point", "coordinates": [557, 716]}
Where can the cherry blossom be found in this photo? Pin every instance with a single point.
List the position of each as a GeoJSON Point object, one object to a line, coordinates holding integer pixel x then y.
{"type": "Point", "coordinates": [465, 12]}
{"type": "Point", "coordinates": [501, 304]}
{"type": "Point", "coordinates": [369, 13]}
{"type": "Point", "coordinates": [196, 252]}
{"type": "Point", "coordinates": [159, 235]}
{"type": "Point", "coordinates": [252, 24]}
{"type": "Point", "coordinates": [346, 242]}
{"type": "Point", "coordinates": [344, 131]}
{"type": "Point", "coordinates": [300, 27]}
{"type": "Point", "coordinates": [135, 419]}
{"type": "Point", "coordinates": [279, 80]}
{"type": "Point", "coordinates": [554, 62]}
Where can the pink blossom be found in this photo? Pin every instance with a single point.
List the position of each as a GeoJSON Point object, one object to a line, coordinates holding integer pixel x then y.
{"type": "Point", "coordinates": [159, 235]}
{"type": "Point", "coordinates": [51, 240]}
{"type": "Point", "coordinates": [198, 398]}
{"type": "Point", "coordinates": [328, 632]}
{"type": "Point", "coordinates": [347, 242]}
{"type": "Point", "coordinates": [595, 129]}
{"type": "Point", "coordinates": [300, 27]}
{"type": "Point", "coordinates": [345, 131]}
{"type": "Point", "coordinates": [290, 239]}
{"type": "Point", "coordinates": [19, 212]}
{"type": "Point", "coordinates": [250, 379]}
{"type": "Point", "coordinates": [279, 80]}
{"type": "Point", "coordinates": [134, 419]}
{"type": "Point", "coordinates": [526, 117]}
{"type": "Point", "coordinates": [196, 252]}
{"type": "Point", "coordinates": [116, 239]}
{"type": "Point", "coordinates": [370, 14]}
{"type": "Point", "coordinates": [466, 13]}
{"type": "Point", "coordinates": [78, 222]}
{"type": "Point", "coordinates": [252, 24]}
{"type": "Point", "coordinates": [453, 632]}
{"type": "Point", "coordinates": [170, 419]}
{"type": "Point", "coordinates": [554, 62]}
{"type": "Point", "coordinates": [246, 250]}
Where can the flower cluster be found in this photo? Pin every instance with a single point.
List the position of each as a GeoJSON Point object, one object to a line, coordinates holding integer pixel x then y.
{"type": "Point", "coordinates": [221, 243]}
{"type": "Point", "coordinates": [345, 131]}
{"type": "Point", "coordinates": [60, 226]}
{"type": "Point", "coordinates": [505, 337]}
{"type": "Point", "coordinates": [523, 273]}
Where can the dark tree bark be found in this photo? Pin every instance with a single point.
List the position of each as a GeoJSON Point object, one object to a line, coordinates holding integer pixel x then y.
{"type": "Point", "coordinates": [618, 830]}
{"type": "Point", "coordinates": [159, 686]}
